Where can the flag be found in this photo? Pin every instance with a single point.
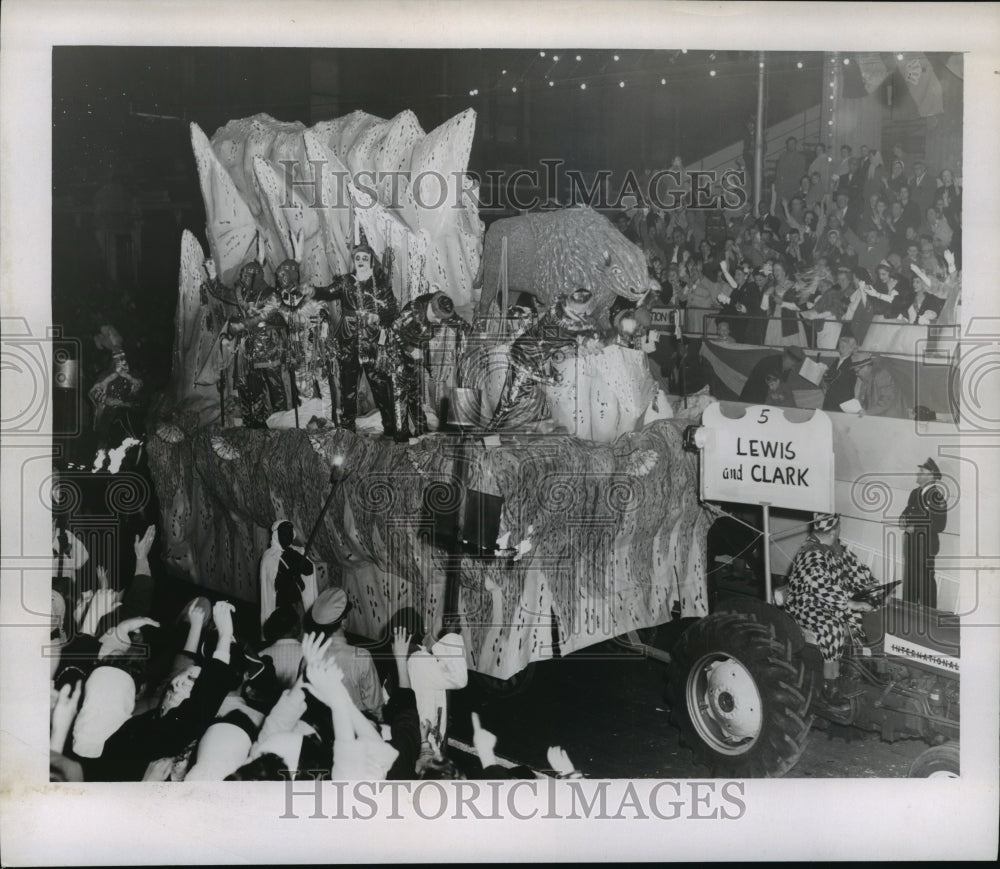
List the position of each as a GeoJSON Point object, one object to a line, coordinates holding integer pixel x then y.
{"type": "Point", "coordinates": [873, 70]}
{"type": "Point", "coordinates": [924, 85]}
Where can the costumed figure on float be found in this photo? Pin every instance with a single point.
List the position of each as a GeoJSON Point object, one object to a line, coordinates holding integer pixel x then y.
{"type": "Point", "coordinates": [115, 396]}
{"type": "Point", "coordinates": [251, 342]}
{"type": "Point", "coordinates": [309, 355]}
{"type": "Point", "coordinates": [368, 310]}
{"type": "Point", "coordinates": [562, 331]}
{"type": "Point", "coordinates": [412, 332]}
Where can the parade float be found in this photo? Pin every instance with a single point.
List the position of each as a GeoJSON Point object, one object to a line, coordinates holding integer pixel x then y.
{"type": "Point", "coordinates": [571, 517]}
{"type": "Point", "coordinates": [575, 520]}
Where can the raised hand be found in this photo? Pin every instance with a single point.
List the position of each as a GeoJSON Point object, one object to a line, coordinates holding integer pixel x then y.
{"type": "Point", "coordinates": [222, 615]}
{"type": "Point", "coordinates": [559, 760]}
{"type": "Point", "coordinates": [159, 770]}
{"type": "Point", "coordinates": [484, 742]}
{"type": "Point", "coordinates": [400, 642]}
{"type": "Point", "coordinates": [117, 640]}
{"type": "Point", "coordinates": [64, 712]}
{"type": "Point", "coordinates": [144, 544]}
{"type": "Point", "coordinates": [314, 648]}
{"type": "Point", "coordinates": [195, 612]}
{"type": "Point", "coordinates": [326, 682]}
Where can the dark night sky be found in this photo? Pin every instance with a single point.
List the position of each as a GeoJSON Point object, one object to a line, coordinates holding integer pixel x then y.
{"type": "Point", "coordinates": [103, 96]}
{"type": "Point", "coordinates": [124, 112]}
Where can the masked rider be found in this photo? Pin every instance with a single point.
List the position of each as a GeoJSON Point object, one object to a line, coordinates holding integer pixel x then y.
{"type": "Point", "coordinates": [259, 334]}
{"type": "Point", "coordinates": [368, 310]}
{"type": "Point", "coordinates": [308, 324]}
{"type": "Point", "coordinates": [412, 332]}
{"type": "Point", "coordinates": [557, 334]}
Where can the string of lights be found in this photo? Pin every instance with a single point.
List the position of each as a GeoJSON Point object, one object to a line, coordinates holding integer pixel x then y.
{"type": "Point", "coordinates": [563, 70]}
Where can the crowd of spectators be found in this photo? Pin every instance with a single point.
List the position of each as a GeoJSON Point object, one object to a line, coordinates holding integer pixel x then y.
{"type": "Point", "coordinates": [190, 699]}
{"type": "Point", "coordinates": [835, 245]}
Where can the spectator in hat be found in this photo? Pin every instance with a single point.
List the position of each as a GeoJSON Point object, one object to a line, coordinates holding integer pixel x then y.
{"type": "Point", "coordinates": [876, 389]}
{"type": "Point", "coordinates": [823, 580]}
{"type": "Point", "coordinates": [922, 521]}
{"type": "Point", "coordinates": [327, 617]}
{"type": "Point", "coordinates": [835, 249]}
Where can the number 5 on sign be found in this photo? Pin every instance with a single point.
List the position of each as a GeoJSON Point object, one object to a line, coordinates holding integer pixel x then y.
{"type": "Point", "coordinates": [765, 455]}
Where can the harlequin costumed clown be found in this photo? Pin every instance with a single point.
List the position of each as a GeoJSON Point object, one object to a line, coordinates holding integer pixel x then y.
{"type": "Point", "coordinates": [258, 333]}
{"type": "Point", "coordinates": [558, 333]}
{"type": "Point", "coordinates": [824, 578]}
{"type": "Point", "coordinates": [368, 309]}
{"type": "Point", "coordinates": [412, 332]}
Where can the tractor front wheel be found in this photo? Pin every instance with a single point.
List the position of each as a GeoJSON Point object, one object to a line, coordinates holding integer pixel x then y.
{"type": "Point", "coordinates": [740, 696]}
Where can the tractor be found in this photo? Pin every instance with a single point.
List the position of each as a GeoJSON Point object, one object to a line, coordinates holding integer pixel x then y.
{"type": "Point", "coordinates": [744, 683]}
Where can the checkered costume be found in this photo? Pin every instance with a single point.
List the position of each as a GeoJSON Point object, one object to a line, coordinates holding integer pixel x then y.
{"type": "Point", "coordinates": [821, 584]}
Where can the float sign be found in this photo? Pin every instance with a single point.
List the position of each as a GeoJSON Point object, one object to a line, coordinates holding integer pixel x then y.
{"type": "Point", "coordinates": [764, 457]}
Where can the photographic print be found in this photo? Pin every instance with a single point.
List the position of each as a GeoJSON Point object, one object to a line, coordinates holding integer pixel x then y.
{"type": "Point", "coordinates": [415, 427]}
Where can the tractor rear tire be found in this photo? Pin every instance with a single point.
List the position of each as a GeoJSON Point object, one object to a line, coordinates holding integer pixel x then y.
{"type": "Point", "coordinates": [941, 761]}
{"type": "Point", "coordinates": [740, 696]}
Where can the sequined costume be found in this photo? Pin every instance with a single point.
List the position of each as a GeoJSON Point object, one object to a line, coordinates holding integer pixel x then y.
{"type": "Point", "coordinates": [115, 398]}
{"type": "Point", "coordinates": [260, 335]}
{"type": "Point", "coordinates": [532, 356]}
{"type": "Point", "coordinates": [368, 309]}
{"type": "Point", "coordinates": [310, 351]}
{"type": "Point", "coordinates": [411, 338]}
